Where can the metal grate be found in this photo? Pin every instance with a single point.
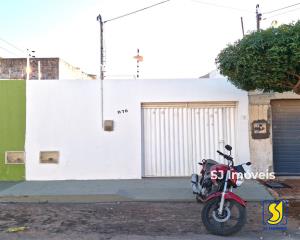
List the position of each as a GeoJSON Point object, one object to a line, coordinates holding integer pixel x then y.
{"type": "Point", "coordinates": [49, 157]}
{"type": "Point", "coordinates": [273, 184]}
{"type": "Point", "coordinates": [14, 157]}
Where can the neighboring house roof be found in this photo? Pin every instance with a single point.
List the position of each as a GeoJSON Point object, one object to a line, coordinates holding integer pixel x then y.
{"type": "Point", "coordinates": [46, 68]}
{"type": "Point", "coordinates": [213, 74]}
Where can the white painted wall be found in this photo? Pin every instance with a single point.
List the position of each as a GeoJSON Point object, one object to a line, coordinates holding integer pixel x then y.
{"type": "Point", "coordinates": [66, 116]}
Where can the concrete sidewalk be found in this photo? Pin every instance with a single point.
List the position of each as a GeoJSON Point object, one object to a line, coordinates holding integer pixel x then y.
{"type": "Point", "coordinates": [148, 189]}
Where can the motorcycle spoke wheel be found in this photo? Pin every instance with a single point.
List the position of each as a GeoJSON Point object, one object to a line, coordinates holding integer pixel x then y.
{"type": "Point", "coordinates": [230, 221]}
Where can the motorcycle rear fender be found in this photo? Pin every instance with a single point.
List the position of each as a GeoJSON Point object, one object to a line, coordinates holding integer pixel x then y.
{"type": "Point", "coordinates": [228, 195]}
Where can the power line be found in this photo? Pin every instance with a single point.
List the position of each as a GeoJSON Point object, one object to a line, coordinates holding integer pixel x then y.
{"type": "Point", "coordinates": [12, 45]}
{"type": "Point", "coordinates": [101, 22]}
{"type": "Point", "coordinates": [142, 9]}
{"type": "Point", "coordinates": [5, 49]}
{"type": "Point", "coordinates": [222, 6]}
{"type": "Point", "coordinates": [281, 8]}
{"type": "Point", "coordinates": [282, 13]}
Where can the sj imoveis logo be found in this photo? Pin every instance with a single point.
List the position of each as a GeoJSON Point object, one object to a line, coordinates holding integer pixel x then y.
{"type": "Point", "coordinates": [275, 215]}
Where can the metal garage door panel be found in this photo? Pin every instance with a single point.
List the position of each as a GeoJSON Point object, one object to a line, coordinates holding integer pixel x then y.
{"type": "Point", "coordinates": [286, 136]}
{"type": "Point", "coordinates": [166, 141]}
{"type": "Point", "coordinates": [212, 128]}
{"type": "Point", "coordinates": [176, 137]}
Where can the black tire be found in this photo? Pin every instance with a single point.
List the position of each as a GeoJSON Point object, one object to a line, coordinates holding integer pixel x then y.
{"type": "Point", "coordinates": [212, 226]}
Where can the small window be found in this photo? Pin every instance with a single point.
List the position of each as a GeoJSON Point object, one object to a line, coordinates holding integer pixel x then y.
{"type": "Point", "coordinates": [14, 157]}
{"type": "Point", "coordinates": [49, 156]}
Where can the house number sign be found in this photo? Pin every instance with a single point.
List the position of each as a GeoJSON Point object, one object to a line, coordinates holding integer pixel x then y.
{"type": "Point", "coordinates": [122, 111]}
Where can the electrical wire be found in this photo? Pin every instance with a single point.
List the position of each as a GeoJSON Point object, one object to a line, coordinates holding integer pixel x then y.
{"type": "Point", "coordinates": [12, 45]}
{"type": "Point", "coordinates": [279, 9]}
{"type": "Point", "coordinates": [142, 9]}
{"type": "Point", "coordinates": [282, 13]}
{"type": "Point", "coordinates": [5, 49]}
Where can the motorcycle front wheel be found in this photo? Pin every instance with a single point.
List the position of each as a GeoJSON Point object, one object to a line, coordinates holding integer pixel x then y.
{"type": "Point", "coordinates": [229, 222]}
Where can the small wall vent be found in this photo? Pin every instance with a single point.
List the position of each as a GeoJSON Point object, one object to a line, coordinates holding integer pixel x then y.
{"type": "Point", "coordinates": [14, 157]}
{"type": "Point", "coordinates": [49, 157]}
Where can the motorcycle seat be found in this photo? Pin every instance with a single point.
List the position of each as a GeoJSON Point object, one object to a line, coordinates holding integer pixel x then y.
{"type": "Point", "coordinates": [210, 161]}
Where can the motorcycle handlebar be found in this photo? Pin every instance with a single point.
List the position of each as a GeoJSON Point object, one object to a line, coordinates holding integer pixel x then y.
{"type": "Point", "coordinates": [220, 153]}
{"type": "Point", "coordinates": [225, 156]}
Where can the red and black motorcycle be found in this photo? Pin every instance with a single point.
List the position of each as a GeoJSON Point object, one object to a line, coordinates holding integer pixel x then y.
{"type": "Point", "coordinates": [224, 212]}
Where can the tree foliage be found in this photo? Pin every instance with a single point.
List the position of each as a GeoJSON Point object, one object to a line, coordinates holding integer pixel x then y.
{"type": "Point", "coordinates": [267, 60]}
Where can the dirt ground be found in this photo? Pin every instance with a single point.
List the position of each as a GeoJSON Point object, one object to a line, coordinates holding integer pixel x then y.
{"type": "Point", "coordinates": [292, 193]}
{"type": "Point", "coordinates": [107, 220]}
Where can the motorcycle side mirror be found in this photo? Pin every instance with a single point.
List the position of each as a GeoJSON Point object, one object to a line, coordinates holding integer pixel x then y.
{"type": "Point", "coordinates": [228, 147]}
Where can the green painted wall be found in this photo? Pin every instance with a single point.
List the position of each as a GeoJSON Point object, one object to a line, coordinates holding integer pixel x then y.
{"type": "Point", "coordinates": [12, 126]}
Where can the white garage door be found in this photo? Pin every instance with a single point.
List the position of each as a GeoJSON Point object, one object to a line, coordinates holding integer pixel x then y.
{"type": "Point", "coordinates": [176, 136]}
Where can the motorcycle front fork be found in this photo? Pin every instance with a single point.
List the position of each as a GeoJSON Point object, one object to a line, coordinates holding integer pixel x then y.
{"type": "Point", "coordinates": [221, 207]}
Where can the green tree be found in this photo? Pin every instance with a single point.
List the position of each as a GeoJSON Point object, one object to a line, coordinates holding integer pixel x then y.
{"type": "Point", "coordinates": [267, 60]}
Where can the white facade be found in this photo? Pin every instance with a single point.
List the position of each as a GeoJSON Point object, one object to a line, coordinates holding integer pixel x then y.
{"type": "Point", "coordinates": [65, 116]}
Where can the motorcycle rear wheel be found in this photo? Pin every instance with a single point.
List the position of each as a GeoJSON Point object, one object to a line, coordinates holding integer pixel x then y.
{"type": "Point", "coordinates": [219, 225]}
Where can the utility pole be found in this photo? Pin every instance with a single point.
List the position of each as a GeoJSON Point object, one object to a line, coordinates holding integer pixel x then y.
{"type": "Point", "coordinates": [258, 17]}
{"type": "Point", "coordinates": [27, 66]}
{"type": "Point", "coordinates": [242, 24]}
{"type": "Point", "coordinates": [39, 70]}
{"type": "Point", "coordinates": [139, 59]}
{"type": "Point", "coordinates": [138, 64]}
{"type": "Point", "coordinates": [99, 18]}
{"type": "Point", "coordinates": [28, 63]}
{"type": "Point", "coordinates": [101, 22]}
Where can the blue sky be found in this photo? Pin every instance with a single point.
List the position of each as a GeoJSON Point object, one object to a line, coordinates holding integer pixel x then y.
{"type": "Point", "coordinates": [19, 17]}
{"type": "Point", "coordinates": [178, 39]}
